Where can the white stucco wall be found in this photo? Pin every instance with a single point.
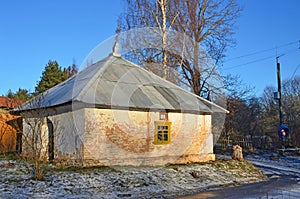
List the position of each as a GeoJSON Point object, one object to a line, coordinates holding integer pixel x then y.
{"type": "Point", "coordinates": [122, 137]}
{"type": "Point", "coordinates": [69, 129]}
{"type": "Point", "coordinates": [35, 128]}
{"type": "Point", "coordinates": [126, 137]}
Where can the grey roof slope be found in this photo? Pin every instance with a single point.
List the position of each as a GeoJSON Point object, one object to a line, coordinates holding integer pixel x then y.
{"type": "Point", "coordinates": [116, 82]}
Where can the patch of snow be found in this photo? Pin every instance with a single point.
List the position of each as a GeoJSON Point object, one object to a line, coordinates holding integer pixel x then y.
{"type": "Point", "coordinates": [124, 182]}
{"type": "Point", "coordinates": [283, 165]}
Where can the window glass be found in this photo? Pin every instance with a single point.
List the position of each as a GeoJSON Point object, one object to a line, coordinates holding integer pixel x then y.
{"type": "Point", "coordinates": [162, 132]}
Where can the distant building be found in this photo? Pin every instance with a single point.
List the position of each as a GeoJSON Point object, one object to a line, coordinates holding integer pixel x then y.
{"type": "Point", "coordinates": [8, 134]}
{"type": "Point", "coordinates": [116, 113]}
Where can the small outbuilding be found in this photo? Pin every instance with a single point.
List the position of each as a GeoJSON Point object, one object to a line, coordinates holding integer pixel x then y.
{"type": "Point", "coordinates": [114, 112]}
{"type": "Point", "coordinates": [9, 136]}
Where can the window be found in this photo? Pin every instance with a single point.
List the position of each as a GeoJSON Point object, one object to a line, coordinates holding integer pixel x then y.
{"type": "Point", "coordinates": [162, 132]}
{"type": "Point", "coordinates": [163, 116]}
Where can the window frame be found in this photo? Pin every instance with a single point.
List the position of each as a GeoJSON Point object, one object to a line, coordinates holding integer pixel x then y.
{"type": "Point", "coordinates": [165, 131]}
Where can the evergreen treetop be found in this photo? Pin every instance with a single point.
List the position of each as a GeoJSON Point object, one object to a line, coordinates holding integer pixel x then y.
{"type": "Point", "coordinates": [52, 75]}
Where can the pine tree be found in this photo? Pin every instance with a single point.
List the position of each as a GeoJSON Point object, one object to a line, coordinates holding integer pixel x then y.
{"type": "Point", "coordinates": [51, 76]}
{"type": "Point", "coordinates": [22, 94]}
{"type": "Point", "coordinates": [10, 94]}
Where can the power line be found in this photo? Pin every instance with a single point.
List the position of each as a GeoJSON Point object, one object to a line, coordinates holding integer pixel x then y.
{"type": "Point", "coordinates": [262, 51]}
{"type": "Point", "coordinates": [297, 67]}
{"type": "Point", "coordinates": [262, 59]}
{"type": "Point", "coordinates": [247, 63]}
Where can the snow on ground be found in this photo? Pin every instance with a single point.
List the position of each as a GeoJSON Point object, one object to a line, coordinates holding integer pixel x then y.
{"type": "Point", "coordinates": [283, 172]}
{"type": "Point", "coordinates": [123, 182]}
{"type": "Point", "coordinates": [280, 164]}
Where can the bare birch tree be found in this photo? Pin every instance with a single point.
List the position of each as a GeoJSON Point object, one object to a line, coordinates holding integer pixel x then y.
{"type": "Point", "coordinates": [153, 13]}
{"type": "Point", "coordinates": [208, 25]}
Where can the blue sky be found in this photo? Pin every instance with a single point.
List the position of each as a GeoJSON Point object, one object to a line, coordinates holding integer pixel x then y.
{"type": "Point", "coordinates": [32, 32]}
{"type": "Point", "coordinates": [266, 29]}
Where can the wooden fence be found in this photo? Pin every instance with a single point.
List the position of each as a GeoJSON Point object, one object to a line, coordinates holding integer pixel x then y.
{"type": "Point", "coordinates": [247, 143]}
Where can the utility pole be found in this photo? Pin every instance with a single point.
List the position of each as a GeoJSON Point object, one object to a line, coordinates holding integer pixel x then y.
{"type": "Point", "coordinates": [279, 91]}
{"type": "Point", "coordinates": [283, 130]}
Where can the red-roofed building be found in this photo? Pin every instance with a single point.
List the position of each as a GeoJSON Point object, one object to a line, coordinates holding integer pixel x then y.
{"type": "Point", "coordinates": [9, 103]}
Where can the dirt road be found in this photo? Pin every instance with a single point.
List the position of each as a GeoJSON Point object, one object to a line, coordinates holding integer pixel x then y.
{"type": "Point", "coordinates": [284, 182]}
{"type": "Point", "coordinates": [277, 187]}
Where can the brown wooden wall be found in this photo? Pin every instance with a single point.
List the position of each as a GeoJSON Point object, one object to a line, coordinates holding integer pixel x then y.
{"type": "Point", "coordinates": [7, 134]}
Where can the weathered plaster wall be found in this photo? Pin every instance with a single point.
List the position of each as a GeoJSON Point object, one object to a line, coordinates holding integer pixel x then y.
{"type": "Point", "coordinates": [35, 138]}
{"type": "Point", "coordinates": [68, 130]}
{"type": "Point", "coordinates": [121, 137]}
{"type": "Point", "coordinates": [126, 137]}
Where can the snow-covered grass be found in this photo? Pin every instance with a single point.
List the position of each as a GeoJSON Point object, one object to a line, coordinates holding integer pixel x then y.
{"type": "Point", "coordinates": [123, 182]}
